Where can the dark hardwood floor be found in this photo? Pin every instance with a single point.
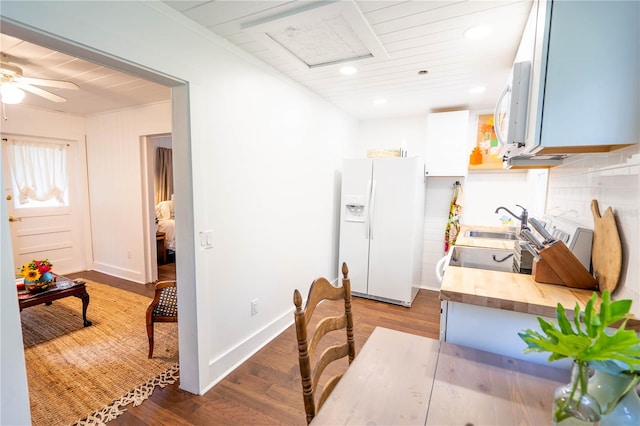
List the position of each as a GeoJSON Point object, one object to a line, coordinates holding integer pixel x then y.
{"type": "Point", "coordinates": [165, 272]}
{"type": "Point", "coordinates": [266, 389]}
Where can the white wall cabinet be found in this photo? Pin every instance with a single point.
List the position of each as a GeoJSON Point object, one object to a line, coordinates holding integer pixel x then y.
{"type": "Point", "coordinates": [447, 150]}
{"type": "Point", "coordinates": [584, 91]}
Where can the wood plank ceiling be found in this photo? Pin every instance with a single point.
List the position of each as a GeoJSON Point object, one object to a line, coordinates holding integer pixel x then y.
{"type": "Point", "coordinates": [412, 36]}
{"type": "Point", "coordinates": [417, 35]}
{"type": "Point", "coordinates": [101, 88]}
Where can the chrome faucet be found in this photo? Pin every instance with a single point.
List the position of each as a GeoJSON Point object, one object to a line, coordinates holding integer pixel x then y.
{"type": "Point", "coordinates": [523, 218]}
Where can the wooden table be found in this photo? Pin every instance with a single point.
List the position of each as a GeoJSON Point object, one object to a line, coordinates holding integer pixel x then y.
{"type": "Point", "coordinates": [64, 287]}
{"type": "Point", "coordinates": [404, 379]}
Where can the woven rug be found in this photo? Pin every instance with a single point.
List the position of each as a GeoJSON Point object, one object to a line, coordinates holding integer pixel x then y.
{"type": "Point", "coordinates": [87, 374]}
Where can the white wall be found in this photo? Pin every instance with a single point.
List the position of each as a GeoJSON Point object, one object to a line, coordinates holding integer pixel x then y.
{"type": "Point", "coordinates": [266, 182]}
{"type": "Point", "coordinates": [115, 152]}
{"type": "Point", "coordinates": [485, 191]}
{"type": "Point", "coordinates": [614, 180]}
{"type": "Point", "coordinates": [262, 159]}
{"type": "Point", "coordinates": [161, 142]}
{"type": "Point", "coordinates": [391, 134]}
{"type": "Point", "coordinates": [14, 395]}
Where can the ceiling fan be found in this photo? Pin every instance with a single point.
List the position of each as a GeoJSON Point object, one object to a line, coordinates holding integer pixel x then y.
{"type": "Point", "coordinates": [12, 84]}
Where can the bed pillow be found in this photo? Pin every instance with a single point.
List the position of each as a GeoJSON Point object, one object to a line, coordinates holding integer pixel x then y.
{"type": "Point", "coordinates": [164, 210]}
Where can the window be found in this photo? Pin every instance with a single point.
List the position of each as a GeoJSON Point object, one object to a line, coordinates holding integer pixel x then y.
{"type": "Point", "coordinates": [39, 176]}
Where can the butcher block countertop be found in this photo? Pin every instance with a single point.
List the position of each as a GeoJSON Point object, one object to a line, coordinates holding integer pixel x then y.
{"type": "Point", "coordinates": [508, 290]}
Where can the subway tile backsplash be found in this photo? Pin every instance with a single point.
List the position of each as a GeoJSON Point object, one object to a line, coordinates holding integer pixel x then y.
{"type": "Point", "coordinates": [614, 180]}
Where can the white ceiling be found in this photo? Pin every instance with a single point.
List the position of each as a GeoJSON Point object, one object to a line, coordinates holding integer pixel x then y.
{"type": "Point", "coordinates": [412, 36]}
{"type": "Point", "coordinates": [101, 88]}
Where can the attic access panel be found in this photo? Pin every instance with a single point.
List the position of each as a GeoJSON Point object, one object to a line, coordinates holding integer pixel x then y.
{"type": "Point", "coordinates": [320, 34]}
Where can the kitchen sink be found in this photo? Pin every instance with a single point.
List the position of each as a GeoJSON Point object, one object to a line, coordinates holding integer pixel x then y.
{"type": "Point", "coordinates": [491, 234]}
{"type": "Point", "coordinates": [482, 258]}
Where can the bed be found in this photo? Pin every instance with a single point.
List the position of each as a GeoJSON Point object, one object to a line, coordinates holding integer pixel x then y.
{"type": "Point", "coordinates": [166, 223]}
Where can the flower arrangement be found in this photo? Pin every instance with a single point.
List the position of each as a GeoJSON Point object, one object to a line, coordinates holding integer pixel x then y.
{"type": "Point", "coordinates": [36, 269]}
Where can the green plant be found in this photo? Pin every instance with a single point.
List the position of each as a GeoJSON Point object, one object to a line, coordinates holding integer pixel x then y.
{"type": "Point", "coordinates": [590, 339]}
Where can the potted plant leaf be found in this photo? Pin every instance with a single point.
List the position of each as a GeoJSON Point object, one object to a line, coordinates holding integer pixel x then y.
{"type": "Point", "coordinates": [591, 340]}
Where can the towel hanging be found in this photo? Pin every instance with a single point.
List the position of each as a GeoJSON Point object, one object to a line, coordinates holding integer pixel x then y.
{"type": "Point", "coordinates": [453, 223]}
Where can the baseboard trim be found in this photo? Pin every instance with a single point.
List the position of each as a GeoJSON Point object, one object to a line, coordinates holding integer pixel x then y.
{"type": "Point", "coordinates": [222, 366]}
{"type": "Point", "coordinates": [125, 274]}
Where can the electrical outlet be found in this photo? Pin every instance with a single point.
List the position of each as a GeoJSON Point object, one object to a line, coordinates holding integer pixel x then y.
{"type": "Point", "coordinates": [254, 307]}
{"type": "Point", "coordinates": [128, 254]}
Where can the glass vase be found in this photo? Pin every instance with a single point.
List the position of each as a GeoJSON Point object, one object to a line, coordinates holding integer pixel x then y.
{"type": "Point", "coordinates": [572, 404]}
{"type": "Point", "coordinates": [617, 396]}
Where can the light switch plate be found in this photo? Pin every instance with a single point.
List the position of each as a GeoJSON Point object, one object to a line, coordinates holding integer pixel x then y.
{"type": "Point", "coordinates": [206, 239]}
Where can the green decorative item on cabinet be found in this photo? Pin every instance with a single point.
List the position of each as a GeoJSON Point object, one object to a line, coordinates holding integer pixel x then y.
{"type": "Point", "coordinates": [590, 344]}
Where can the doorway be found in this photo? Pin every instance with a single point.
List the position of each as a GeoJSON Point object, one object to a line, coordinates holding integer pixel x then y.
{"type": "Point", "coordinates": [189, 361]}
{"type": "Point", "coordinates": [160, 224]}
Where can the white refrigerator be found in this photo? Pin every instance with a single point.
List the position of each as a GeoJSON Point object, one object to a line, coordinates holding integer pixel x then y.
{"type": "Point", "coordinates": [381, 223]}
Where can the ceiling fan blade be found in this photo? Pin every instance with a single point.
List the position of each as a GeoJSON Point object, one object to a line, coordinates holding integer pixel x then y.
{"type": "Point", "coordinates": [50, 83]}
{"type": "Point", "coordinates": [40, 92]}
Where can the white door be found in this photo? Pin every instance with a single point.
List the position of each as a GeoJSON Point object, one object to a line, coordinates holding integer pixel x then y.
{"type": "Point", "coordinates": [45, 230]}
{"type": "Point", "coordinates": [354, 232]}
{"type": "Point", "coordinates": [392, 212]}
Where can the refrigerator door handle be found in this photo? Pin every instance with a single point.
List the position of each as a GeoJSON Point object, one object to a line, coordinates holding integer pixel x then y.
{"type": "Point", "coordinates": [372, 206]}
{"type": "Point", "coordinates": [367, 217]}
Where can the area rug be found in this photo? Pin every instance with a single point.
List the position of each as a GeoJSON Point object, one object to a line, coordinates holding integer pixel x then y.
{"type": "Point", "coordinates": [89, 373]}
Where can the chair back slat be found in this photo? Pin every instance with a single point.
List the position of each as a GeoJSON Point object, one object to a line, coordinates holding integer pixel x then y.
{"type": "Point", "coordinates": [308, 340]}
{"type": "Point", "coordinates": [329, 355]}
{"type": "Point", "coordinates": [326, 325]}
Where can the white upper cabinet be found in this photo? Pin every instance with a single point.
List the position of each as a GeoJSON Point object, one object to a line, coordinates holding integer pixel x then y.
{"type": "Point", "coordinates": [584, 85]}
{"type": "Point", "coordinates": [447, 150]}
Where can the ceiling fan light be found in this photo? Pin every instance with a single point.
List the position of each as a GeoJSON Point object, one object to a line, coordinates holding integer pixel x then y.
{"type": "Point", "coordinates": [11, 94]}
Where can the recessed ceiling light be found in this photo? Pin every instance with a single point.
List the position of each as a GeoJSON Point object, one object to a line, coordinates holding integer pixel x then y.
{"type": "Point", "coordinates": [348, 70]}
{"type": "Point", "coordinates": [380, 101]}
{"type": "Point", "coordinates": [475, 33]}
{"type": "Point", "coordinates": [478, 89]}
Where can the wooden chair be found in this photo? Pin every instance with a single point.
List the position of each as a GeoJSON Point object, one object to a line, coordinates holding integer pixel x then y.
{"type": "Point", "coordinates": [163, 308]}
{"type": "Point", "coordinates": [322, 290]}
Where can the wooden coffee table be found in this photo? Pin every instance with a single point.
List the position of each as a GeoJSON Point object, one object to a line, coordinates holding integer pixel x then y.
{"type": "Point", "coordinates": [64, 287]}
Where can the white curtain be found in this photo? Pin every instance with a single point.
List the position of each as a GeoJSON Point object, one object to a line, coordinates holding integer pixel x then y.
{"type": "Point", "coordinates": [39, 169]}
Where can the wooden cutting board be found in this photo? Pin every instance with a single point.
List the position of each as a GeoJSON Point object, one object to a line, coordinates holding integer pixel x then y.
{"type": "Point", "coordinates": [606, 251]}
